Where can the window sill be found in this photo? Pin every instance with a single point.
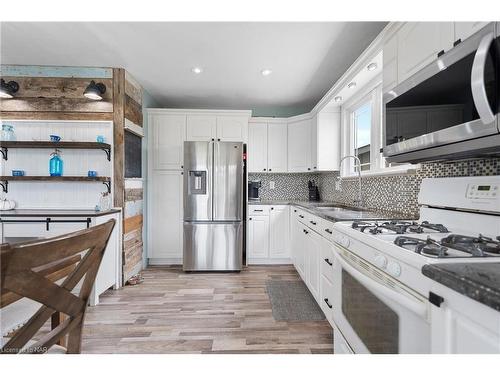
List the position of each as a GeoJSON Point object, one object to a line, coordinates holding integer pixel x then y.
{"type": "Point", "coordinates": [390, 171]}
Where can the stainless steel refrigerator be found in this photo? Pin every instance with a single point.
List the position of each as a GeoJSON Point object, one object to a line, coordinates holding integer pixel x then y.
{"type": "Point", "coordinates": [213, 206]}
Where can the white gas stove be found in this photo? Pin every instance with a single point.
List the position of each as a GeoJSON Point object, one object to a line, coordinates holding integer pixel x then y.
{"type": "Point", "coordinates": [459, 222]}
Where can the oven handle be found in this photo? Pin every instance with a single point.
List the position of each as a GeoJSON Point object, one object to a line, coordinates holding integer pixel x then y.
{"type": "Point", "coordinates": [418, 308]}
{"type": "Point", "coordinates": [477, 80]}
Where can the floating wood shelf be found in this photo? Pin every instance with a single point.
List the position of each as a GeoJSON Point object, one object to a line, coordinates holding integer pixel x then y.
{"type": "Point", "coordinates": [5, 180]}
{"type": "Point", "coordinates": [5, 145]}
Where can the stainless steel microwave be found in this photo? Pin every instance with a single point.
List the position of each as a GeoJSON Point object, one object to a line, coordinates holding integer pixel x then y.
{"type": "Point", "coordinates": [449, 109]}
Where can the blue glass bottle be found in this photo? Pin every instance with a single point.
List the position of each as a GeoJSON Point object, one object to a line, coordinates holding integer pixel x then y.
{"type": "Point", "coordinates": [56, 164]}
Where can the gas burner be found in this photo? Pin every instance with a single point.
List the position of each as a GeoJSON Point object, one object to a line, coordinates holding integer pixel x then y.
{"type": "Point", "coordinates": [427, 247]}
{"type": "Point", "coordinates": [398, 227]}
{"type": "Point", "coordinates": [437, 227]}
{"type": "Point", "coordinates": [477, 246]}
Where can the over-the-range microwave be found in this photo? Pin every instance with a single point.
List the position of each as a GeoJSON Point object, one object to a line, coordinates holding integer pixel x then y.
{"type": "Point", "coordinates": [449, 109]}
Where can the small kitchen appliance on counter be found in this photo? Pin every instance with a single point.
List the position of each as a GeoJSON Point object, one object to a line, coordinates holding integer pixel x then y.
{"type": "Point", "coordinates": [313, 191]}
{"type": "Point", "coordinates": [253, 190]}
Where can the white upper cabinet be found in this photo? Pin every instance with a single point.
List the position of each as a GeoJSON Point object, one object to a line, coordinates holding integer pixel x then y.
{"type": "Point", "coordinates": [257, 147]}
{"type": "Point", "coordinates": [277, 147]}
{"type": "Point", "coordinates": [201, 128]}
{"type": "Point", "coordinates": [167, 140]}
{"type": "Point", "coordinates": [299, 146]}
{"type": "Point", "coordinates": [390, 63]}
{"type": "Point", "coordinates": [325, 141]}
{"type": "Point", "coordinates": [419, 44]}
{"type": "Point", "coordinates": [232, 128]}
{"type": "Point", "coordinates": [463, 30]}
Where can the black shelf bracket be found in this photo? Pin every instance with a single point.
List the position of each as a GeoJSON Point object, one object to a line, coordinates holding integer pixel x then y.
{"type": "Point", "coordinates": [108, 185]}
{"type": "Point", "coordinates": [108, 153]}
{"type": "Point", "coordinates": [4, 151]}
{"type": "Point", "coordinates": [5, 186]}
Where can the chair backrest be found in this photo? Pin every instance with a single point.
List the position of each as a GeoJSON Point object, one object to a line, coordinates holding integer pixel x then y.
{"type": "Point", "coordinates": [30, 270]}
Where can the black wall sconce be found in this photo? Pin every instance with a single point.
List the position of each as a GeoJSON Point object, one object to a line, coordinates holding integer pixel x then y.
{"type": "Point", "coordinates": [94, 91]}
{"type": "Point", "coordinates": [8, 89]}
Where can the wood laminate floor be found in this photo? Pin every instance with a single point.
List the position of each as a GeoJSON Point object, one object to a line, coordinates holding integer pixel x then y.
{"type": "Point", "coordinates": [177, 312]}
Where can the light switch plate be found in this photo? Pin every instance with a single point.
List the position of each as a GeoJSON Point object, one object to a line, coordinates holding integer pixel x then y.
{"type": "Point", "coordinates": [271, 185]}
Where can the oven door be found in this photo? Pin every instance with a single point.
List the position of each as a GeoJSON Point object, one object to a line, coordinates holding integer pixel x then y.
{"type": "Point", "coordinates": [376, 313]}
{"type": "Point", "coordinates": [451, 100]}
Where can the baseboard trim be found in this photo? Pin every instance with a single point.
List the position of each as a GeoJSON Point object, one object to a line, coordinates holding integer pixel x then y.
{"type": "Point", "coordinates": [165, 261]}
{"type": "Point", "coordinates": [263, 261]}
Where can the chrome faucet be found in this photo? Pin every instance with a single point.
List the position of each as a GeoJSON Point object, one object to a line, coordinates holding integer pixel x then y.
{"type": "Point", "coordinates": [359, 200]}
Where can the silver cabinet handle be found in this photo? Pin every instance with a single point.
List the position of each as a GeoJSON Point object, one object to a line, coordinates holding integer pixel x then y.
{"type": "Point", "coordinates": [477, 80]}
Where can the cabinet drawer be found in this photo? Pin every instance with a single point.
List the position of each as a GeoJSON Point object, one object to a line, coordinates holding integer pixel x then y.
{"type": "Point", "coordinates": [326, 229]}
{"type": "Point", "coordinates": [326, 261]}
{"type": "Point", "coordinates": [313, 222]}
{"type": "Point", "coordinates": [326, 301]}
{"type": "Point", "coordinates": [39, 230]}
{"type": "Point", "coordinates": [303, 217]}
{"type": "Point", "coordinates": [258, 210]}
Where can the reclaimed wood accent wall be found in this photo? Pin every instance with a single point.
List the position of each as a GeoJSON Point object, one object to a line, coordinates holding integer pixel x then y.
{"type": "Point", "coordinates": [56, 93]}
{"type": "Point", "coordinates": [133, 218]}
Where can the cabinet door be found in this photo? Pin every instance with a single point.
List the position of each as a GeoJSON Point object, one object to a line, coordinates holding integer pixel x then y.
{"type": "Point", "coordinates": [168, 134]}
{"type": "Point", "coordinates": [295, 235]}
{"type": "Point", "coordinates": [463, 30]}
{"type": "Point", "coordinates": [313, 141]}
{"type": "Point", "coordinates": [108, 274]}
{"type": "Point", "coordinates": [257, 147]}
{"type": "Point", "coordinates": [277, 150]}
{"type": "Point", "coordinates": [419, 43]}
{"type": "Point", "coordinates": [300, 260]}
{"type": "Point", "coordinates": [327, 140]}
{"type": "Point", "coordinates": [313, 251]}
{"type": "Point", "coordinates": [390, 64]}
{"type": "Point", "coordinates": [258, 237]}
{"type": "Point", "coordinates": [165, 224]}
{"type": "Point", "coordinates": [279, 232]}
{"type": "Point", "coordinates": [232, 128]}
{"type": "Point", "coordinates": [201, 127]}
{"type": "Point", "coordinates": [299, 146]}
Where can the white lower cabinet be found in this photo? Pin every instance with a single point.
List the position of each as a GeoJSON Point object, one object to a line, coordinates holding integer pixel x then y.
{"type": "Point", "coordinates": [268, 235]}
{"type": "Point", "coordinates": [326, 298]}
{"type": "Point", "coordinates": [165, 218]}
{"type": "Point", "coordinates": [258, 238]}
{"type": "Point", "coordinates": [279, 222]}
{"type": "Point", "coordinates": [463, 326]}
{"type": "Point", "coordinates": [312, 263]}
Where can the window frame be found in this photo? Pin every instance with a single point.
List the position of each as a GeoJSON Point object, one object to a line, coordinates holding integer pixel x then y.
{"type": "Point", "coordinates": [370, 93]}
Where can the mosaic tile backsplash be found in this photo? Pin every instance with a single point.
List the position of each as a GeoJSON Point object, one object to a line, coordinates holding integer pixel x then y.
{"type": "Point", "coordinates": [387, 193]}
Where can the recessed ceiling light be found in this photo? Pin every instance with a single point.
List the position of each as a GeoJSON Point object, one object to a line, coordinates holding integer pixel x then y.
{"type": "Point", "coordinates": [266, 72]}
{"type": "Point", "coordinates": [372, 66]}
{"type": "Point", "coordinates": [196, 70]}
{"type": "Point", "coordinates": [351, 85]}
{"type": "Point", "coordinates": [337, 99]}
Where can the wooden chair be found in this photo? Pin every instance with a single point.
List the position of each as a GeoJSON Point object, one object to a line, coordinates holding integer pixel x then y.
{"type": "Point", "coordinates": [31, 270]}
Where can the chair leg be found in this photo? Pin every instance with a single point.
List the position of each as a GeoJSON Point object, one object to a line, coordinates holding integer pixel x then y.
{"type": "Point", "coordinates": [56, 319]}
{"type": "Point", "coordinates": [75, 339]}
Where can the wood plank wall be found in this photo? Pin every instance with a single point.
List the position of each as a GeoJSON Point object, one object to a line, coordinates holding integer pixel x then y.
{"type": "Point", "coordinates": [133, 224]}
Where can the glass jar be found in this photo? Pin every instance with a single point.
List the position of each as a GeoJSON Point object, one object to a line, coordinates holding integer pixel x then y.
{"type": "Point", "coordinates": [8, 133]}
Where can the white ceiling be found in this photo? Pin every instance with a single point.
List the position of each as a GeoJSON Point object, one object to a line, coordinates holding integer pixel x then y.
{"type": "Point", "coordinates": [306, 58]}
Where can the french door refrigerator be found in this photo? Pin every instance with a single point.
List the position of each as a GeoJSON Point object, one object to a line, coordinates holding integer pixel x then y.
{"type": "Point", "coordinates": [213, 206]}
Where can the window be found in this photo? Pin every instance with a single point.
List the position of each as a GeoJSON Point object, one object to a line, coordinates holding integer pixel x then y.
{"type": "Point", "coordinates": [362, 134]}
{"type": "Point", "coordinates": [361, 130]}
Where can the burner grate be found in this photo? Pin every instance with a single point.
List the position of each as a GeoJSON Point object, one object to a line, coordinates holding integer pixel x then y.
{"type": "Point", "coordinates": [397, 227]}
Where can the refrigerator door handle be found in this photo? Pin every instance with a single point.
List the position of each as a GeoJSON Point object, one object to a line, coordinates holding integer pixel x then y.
{"type": "Point", "coordinates": [215, 174]}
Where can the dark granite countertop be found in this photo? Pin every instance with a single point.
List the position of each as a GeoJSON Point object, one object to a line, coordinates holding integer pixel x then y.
{"type": "Point", "coordinates": [479, 281]}
{"type": "Point", "coordinates": [333, 211]}
{"type": "Point", "coordinates": [55, 213]}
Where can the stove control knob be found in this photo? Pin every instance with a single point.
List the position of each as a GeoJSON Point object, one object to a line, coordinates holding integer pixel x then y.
{"type": "Point", "coordinates": [380, 261]}
{"type": "Point", "coordinates": [394, 269]}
